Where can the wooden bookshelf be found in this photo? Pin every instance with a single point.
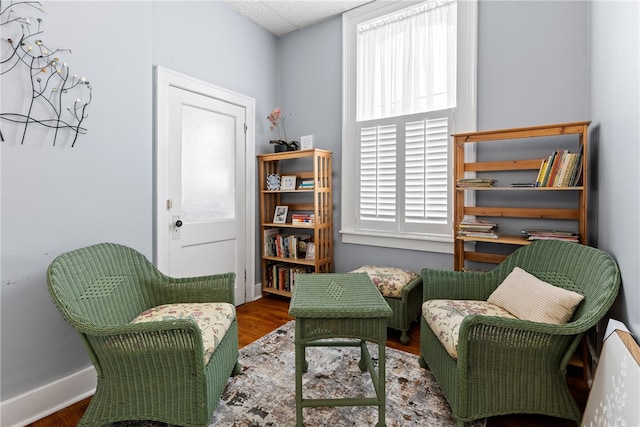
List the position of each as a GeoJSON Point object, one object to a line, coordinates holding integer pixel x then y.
{"type": "Point", "coordinates": [514, 138]}
{"type": "Point", "coordinates": [306, 165]}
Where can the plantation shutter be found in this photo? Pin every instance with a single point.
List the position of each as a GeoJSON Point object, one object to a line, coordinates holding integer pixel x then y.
{"type": "Point", "coordinates": [426, 180]}
{"type": "Point", "coordinates": [378, 173]}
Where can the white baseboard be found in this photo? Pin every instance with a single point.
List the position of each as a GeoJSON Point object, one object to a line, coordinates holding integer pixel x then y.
{"type": "Point", "coordinates": [257, 291]}
{"type": "Point", "coordinates": [42, 401]}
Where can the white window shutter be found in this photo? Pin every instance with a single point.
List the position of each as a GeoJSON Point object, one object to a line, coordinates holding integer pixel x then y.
{"type": "Point", "coordinates": [378, 173]}
{"type": "Point", "coordinates": [426, 180]}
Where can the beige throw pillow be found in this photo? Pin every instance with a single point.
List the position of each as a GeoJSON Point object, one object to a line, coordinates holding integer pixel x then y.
{"type": "Point", "coordinates": [529, 298]}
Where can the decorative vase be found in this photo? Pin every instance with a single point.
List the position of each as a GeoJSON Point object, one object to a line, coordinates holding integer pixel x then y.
{"type": "Point", "coordinates": [281, 146]}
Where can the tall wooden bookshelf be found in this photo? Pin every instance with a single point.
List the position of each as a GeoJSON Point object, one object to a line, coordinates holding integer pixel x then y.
{"type": "Point", "coordinates": [515, 141]}
{"type": "Point", "coordinates": [278, 272]}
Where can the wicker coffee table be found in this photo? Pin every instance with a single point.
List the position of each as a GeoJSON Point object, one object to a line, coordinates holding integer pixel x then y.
{"type": "Point", "coordinates": [340, 310]}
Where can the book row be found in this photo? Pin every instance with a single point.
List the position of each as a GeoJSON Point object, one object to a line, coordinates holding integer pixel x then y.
{"type": "Point", "coordinates": [283, 276]}
{"type": "Point", "coordinates": [286, 245]}
{"type": "Point", "coordinates": [561, 169]}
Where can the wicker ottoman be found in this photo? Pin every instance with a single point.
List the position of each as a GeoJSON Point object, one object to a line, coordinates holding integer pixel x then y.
{"type": "Point", "coordinates": [340, 310]}
{"type": "Point", "coordinates": [402, 290]}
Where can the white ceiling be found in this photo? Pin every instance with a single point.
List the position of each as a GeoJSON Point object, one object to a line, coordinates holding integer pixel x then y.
{"type": "Point", "coordinates": [283, 16]}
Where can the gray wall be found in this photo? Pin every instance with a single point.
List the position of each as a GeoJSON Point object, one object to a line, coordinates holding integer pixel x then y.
{"type": "Point", "coordinates": [615, 115]}
{"type": "Point", "coordinates": [59, 198]}
{"type": "Point", "coordinates": [532, 63]}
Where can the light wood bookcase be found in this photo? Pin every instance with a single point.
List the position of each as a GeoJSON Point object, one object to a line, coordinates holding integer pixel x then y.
{"type": "Point", "coordinates": [313, 164]}
{"type": "Point", "coordinates": [514, 138]}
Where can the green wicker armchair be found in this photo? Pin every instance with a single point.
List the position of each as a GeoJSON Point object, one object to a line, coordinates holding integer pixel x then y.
{"type": "Point", "coordinates": [146, 371]}
{"type": "Point", "coordinates": [507, 366]}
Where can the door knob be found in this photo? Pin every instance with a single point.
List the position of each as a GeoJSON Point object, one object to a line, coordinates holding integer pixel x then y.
{"type": "Point", "coordinates": [178, 223]}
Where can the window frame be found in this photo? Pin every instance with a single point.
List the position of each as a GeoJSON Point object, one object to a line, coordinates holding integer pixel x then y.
{"type": "Point", "coordinates": [464, 120]}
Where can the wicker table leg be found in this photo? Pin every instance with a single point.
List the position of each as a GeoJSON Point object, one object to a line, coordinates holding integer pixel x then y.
{"type": "Point", "coordinates": [381, 392]}
{"type": "Point", "coordinates": [301, 366]}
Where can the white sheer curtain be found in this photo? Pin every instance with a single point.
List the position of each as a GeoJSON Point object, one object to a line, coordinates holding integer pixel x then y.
{"type": "Point", "coordinates": [407, 62]}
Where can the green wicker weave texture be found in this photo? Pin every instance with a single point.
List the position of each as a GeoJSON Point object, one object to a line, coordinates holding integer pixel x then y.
{"type": "Point", "coordinates": [510, 366]}
{"type": "Point", "coordinates": [329, 306]}
{"type": "Point", "coordinates": [350, 295]}
{"type": "Point", "coordinates": [146, 371]}
{"type": "Point", "coordinates": [406, 309]}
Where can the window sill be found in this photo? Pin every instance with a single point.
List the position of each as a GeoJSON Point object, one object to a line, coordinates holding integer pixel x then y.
{"type": "Point", "coordinates": [426, 243]}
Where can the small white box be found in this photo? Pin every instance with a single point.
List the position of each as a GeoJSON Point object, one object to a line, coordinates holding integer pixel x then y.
{"type": "Point", "coordinates": [307, 142]}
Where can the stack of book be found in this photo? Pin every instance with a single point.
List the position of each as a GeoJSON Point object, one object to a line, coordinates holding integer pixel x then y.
{"type": "Point", "coordinates": [471, 227]}
{"type": "Point", "coordinates": [302, 219]}
{"type": "Point", "coordinates": [305, 184]}
{"type": "Point", "coordinates": [561, 169]}
{"type": "Point", "coordinates": [551, 235]}
{"type": "Point", "coordinates": [476, 182]}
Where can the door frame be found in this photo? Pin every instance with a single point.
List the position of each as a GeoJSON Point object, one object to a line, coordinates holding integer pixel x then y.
{"type": "Point", "coordinates": [164, 79]}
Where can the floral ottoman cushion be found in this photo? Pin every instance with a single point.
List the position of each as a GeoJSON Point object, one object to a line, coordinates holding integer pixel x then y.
{"type": "Point", "coordinates": [213, 319]}
{"type": "Point", "coordinates": [389, 280]}
{"type": "Point", "coordinates": [444, 317]}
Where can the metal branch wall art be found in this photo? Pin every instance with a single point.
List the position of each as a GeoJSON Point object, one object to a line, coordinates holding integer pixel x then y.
{"type": "Point", "coordinates": [58, 99]}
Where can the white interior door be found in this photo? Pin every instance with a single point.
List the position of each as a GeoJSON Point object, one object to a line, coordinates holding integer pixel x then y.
{"type": "Point", "coordinates": [202, 227]}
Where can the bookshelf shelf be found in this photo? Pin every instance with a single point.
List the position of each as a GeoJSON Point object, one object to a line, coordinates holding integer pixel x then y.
{"type": "Point", "coordinates": [577, 188]}
{"type": "Point", "coordinates": [311, 167]}
{"type": "Point", "coordinates": [532, 137]}
{"type": "Point", "coordinates": [503, 239]}
{"type": "Point", "coordinates": [289, 260]}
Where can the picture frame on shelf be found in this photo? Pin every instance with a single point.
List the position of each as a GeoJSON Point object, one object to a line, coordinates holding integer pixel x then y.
{"type": "Point", "coordinates": [273, 181]}
{"type": "Point", "coordinates": [280, 215]}
{"type": "Point", "coordinates": [288, 182]}
{"type": "Point", "coordinates": [311, 252]}
{"type": "Point", "coordinates": [307, 142]}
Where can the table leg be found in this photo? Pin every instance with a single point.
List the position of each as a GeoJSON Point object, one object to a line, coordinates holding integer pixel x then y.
{"type": "Point", "coordinates": [362, 364]}
{"type": "Point", "coordinates": [382, 377]}
{"type": "Point", "coordinates": [300, 367]}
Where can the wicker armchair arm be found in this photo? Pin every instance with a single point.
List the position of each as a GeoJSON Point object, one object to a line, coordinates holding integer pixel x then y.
{"type": "Point", "coordinates": [519, 325]}
{"type": "Point", "coordinates": [406, 291]}
{"type": "Point", "coordinates": [488, 336]}
{"type": "Point", "coordinates": [167, 327]}
{"type": "Point", "coordinates": [160, 344]}
{"type": "Point", "coordinates": [213, 288]}
{"type": "Point", "coordinates": [445, 284]}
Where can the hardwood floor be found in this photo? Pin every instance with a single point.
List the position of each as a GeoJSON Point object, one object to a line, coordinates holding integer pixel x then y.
{"type": "Point", "coordinates": [256, 319]}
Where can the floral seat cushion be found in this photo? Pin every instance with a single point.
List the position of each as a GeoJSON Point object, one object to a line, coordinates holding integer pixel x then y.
{"type": "Point", "coordinates": [213, 319]}
{"type": "Point", "coordinates": [444, 317]}
{"type": "Point", "coordinates": [389, 280]}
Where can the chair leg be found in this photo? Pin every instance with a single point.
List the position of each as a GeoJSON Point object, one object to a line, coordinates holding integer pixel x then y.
{"type": "Point", "coordinates": [422, 363]}
{"type": "Point", "coordinates": [404, 338]}
{"type": "Point", "coordinates": [237, 369]}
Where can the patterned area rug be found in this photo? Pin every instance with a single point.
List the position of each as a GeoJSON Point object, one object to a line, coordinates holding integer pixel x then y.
{"type": "Point", "coordinates": [263, 395]}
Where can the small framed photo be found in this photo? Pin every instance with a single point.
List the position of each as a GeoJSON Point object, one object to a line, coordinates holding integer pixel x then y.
{"type": "Point", "coordinates": [280, 216]}
{"type": "Point", "coordinates": [311, 252]}
{"type": "Point", "coordinates": [288, 182]}
{"type": "Point", "coordinates": [307, 142]}
{"type": "Point", "coordinates": [273, 181]}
